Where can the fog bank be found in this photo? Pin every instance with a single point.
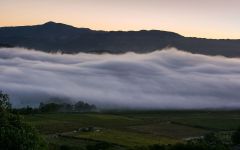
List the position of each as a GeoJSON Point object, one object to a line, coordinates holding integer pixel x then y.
{"type": "Point", "coordinates": [161, 79]}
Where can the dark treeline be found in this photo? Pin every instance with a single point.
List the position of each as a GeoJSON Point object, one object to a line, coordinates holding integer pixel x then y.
{"type": "Point", "coordinates": [52, 107]}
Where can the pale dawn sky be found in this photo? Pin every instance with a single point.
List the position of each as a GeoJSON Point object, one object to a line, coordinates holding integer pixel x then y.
{"type": "Point", "coordinates": [199, 18]}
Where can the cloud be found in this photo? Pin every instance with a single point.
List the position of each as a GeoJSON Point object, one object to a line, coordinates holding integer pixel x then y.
{"type": "Point", "coordinates": [161, 79]}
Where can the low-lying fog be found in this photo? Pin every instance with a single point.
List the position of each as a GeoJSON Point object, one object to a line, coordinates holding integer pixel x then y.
{"type": "Point", "coordinates": [162, 79]}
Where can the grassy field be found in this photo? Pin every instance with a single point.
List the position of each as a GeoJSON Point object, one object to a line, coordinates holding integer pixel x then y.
{"type": "Point", "coordinates": [127, 129]}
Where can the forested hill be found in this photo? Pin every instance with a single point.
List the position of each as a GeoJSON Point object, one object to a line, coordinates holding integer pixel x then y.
{"type": "Point", "coordinates": [51, 37]}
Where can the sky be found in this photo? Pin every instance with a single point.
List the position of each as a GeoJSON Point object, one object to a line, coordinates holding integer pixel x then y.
{"type": "Point", "coordinates": [194, 18]}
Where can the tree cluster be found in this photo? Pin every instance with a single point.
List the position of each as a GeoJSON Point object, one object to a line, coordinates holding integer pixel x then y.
{"type": "Point", "coordinates": [56, 107]}
{"type": "Point", "coordinates": [65, 107]}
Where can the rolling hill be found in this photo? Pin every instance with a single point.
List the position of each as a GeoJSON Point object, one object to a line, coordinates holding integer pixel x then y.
{"type": "Point", "coordinates": [52, 37]}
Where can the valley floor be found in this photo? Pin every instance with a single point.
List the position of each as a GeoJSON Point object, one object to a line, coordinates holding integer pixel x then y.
{"type": "Point", "coordinates": [132, 128]}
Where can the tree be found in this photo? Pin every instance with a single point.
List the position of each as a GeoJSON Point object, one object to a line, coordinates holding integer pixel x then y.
{"type": "Point", "coordinates": [14, 133]}
{"type": "Point", "coordinates": [50, 107]}
{"type": "Point", "coordinates": [82, 106]}
{"type": "Point", "coordinates": [4, 102]}
{"type": "Point", "coordinates": [54, 107]}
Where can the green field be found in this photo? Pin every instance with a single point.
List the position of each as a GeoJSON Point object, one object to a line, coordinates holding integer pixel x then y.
{"type": "Point", "coordinates": [127, 129]}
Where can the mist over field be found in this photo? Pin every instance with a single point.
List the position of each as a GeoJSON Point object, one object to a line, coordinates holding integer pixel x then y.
{"type": "Point", "coordinates": [161, 79]}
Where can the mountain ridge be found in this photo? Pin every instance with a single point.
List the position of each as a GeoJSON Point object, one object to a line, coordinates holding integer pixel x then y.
{"type": "Point", "coordinates": [52, 37]}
